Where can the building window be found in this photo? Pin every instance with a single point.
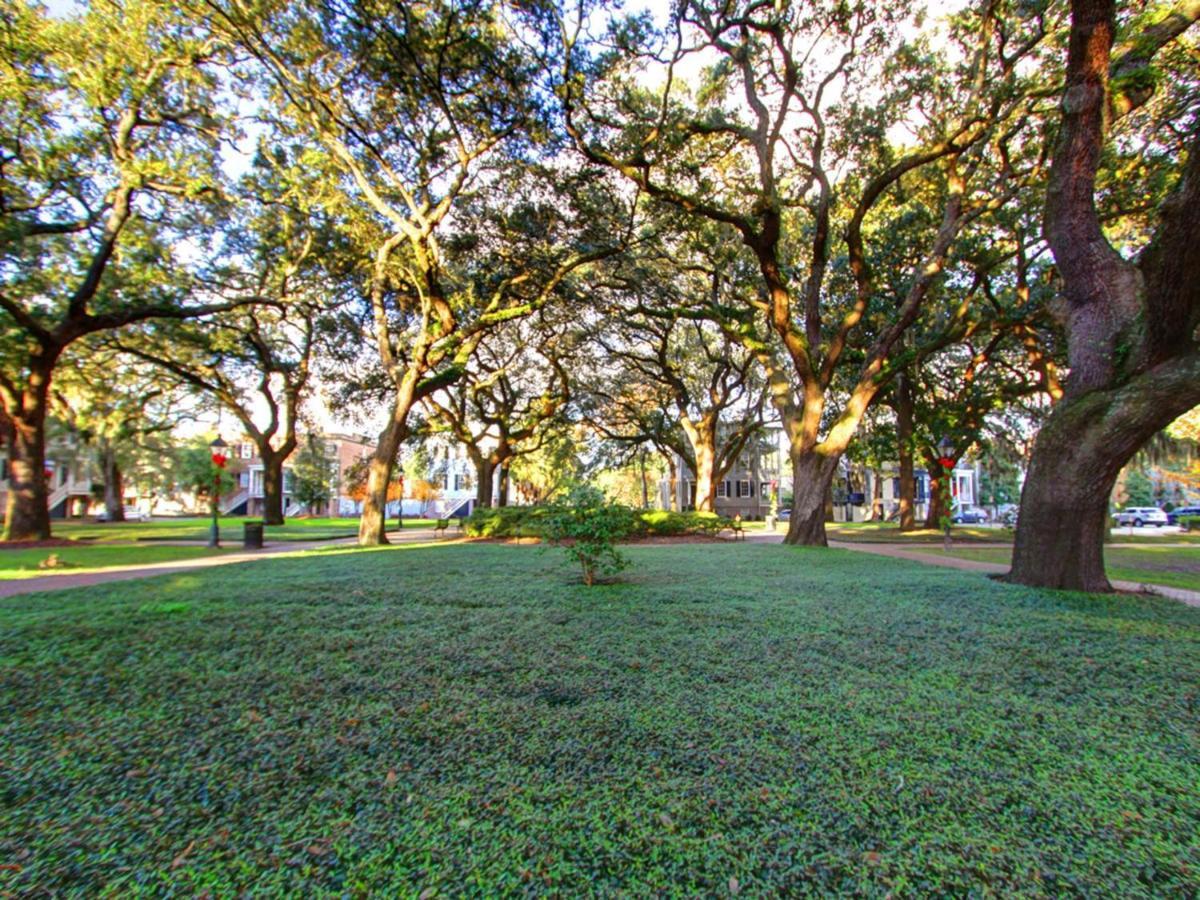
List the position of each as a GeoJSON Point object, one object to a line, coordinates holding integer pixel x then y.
{"type": "Point", "coordinates": [764, 489]}
{"type": "Point", "coordinates": [745, 488]}
{"type": "Point", "coordinates": [244, 479]}
{"type": "Point", "coordinates": [722, 490]}
{"type": "Point", "coordinates": [246, 451]}
{"type": "Point", "coordinates": [458, 482]}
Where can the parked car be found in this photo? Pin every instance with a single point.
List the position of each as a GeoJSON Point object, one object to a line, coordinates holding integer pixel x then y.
{"type": "Point", "coordinates": [1173, 515]}
{"type": "Point", "coordinates": [132, 514]}
{"type": "Point", "coordinates": [970, 517]}
{"type": "Point", "coordinates": [1142, 515]}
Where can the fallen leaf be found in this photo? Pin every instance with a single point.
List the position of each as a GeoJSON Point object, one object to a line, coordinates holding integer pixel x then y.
{"type": "Point", "coordinates": [178, 860]}
{"type": "Point", "coordinates": [666, 820]}
{"type": "Point", "coordinates": [391, 778]}
{"type": "Point", "coordinates": [734, 886]}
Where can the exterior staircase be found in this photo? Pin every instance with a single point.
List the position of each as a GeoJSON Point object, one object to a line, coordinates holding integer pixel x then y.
{"type": "Point", "coordinates": [234, 501]}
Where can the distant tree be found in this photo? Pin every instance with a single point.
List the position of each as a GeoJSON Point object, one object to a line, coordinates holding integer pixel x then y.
{"type": "Point", "coordinates": [314, 474]}
{"type": "Point", "coordinates": [1139, 489]}
{"type": "Point", "coordinates": [196, 473]}
{"type": "Point", "coordinates": [110, 124]}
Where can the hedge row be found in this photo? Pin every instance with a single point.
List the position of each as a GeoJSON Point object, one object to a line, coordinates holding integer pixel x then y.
{"type": "Point", "coordinates": [528, 521]}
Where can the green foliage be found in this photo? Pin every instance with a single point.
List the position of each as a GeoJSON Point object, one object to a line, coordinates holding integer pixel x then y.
{"type": "Point", "coordinates": [530, 521]}
{"type": "Point", "coordinates": [797, 721]}
{"type": "Point", "coordinates": [1189, 523]}
{"type": "Point", "coordinates": [195, 471]}
{"type": "Point", "coordinates": [587, 526]}
{"type": "Point", "coordinates": [1139, 489]}
{"type": "Point", "coordinates": [314, 474]}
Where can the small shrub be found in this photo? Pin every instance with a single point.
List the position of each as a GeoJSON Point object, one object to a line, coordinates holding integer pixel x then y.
{"type": "Point", "coordinates": [588, 526]}
{"type": "Point", "coordinates": [1189, 523]}
{"type": "Point", "coordinates": [667, 522]}
{"type": "Point", "coordinates": [506, 521]}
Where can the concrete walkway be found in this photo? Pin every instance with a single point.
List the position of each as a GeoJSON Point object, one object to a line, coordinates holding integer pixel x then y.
{"type": "Point", "coordinates": [905, 551]}
{"type": "Point", "coordinates": [149, 570]}
{"type": "Point", "coordinates": [908, 552]}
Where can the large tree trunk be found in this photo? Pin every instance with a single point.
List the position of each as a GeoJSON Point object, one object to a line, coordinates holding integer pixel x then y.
{"type": "Point", "coordinates": [936, 504]}
{"type": "Point", "coordinates": [876, 496]}
{"type": "Point", "coordinates": [485, 471]}
{"type": "Point", "coordinates": [502, 487]}
{"type": "Point", "coordinates": [1131, 327]}
{"type": "Point", "coordinates": [372, 525]}
{"type": "Point", "coordinates": [114, 484]}
{"type": "Point", "coordinates": [272, 487]}
{"type": "Point", "coordinates": [27, 517]}
{"type": "Point", "coordinates": [706, 486]}
{"type": "Point", "coordinates": [904, 451]}
{"type": "Point", "coordinates": [812, 480]}
{"type": "Point", "coordinates": [642, 473]}
{"type": "Point", "coordinates": [672, 482]}
{"type": "Point", "coordinates": [1078, 454]}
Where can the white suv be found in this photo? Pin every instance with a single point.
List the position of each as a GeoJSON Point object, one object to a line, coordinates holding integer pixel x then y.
{"type": "Point", "coordinates": [1142, 515]}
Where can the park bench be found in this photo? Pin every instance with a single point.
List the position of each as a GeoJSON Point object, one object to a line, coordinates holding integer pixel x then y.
{"type": "Point", "coordinates": [440, 528]}
{"type": "Point", "coordinates": [735, 526]}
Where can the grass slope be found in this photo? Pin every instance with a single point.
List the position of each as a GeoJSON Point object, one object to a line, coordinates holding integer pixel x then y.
{"type": "Point", "coordinates": [463, 719]}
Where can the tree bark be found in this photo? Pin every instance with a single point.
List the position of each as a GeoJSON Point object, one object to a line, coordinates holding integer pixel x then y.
{"type": "Point", "coordinates": [812, 480]}
{"type": "Point", "coordinates": [1076, 459]}
{"type": "Point", "coordinates": [904, 452]}
{"type": "Point", "coordinates": [372, 525]}
{"type": "Point", "coordinates": [485, 471]}
{"type": "Point", "coordinates": [27, 516]}
{"type": "Point", "coordinates": [272, 487]}
{"type": "Point", "coordinates": [502, 487]}
{"type": "Point", "coordinates": [936, 504]}
{"type": "Point", "coordinates": [876, 496]}
{"type": "Point", "coordinates": [672, 482]}
{"type": "Point", "coordinates": [1131, 331]}
{"type": "Point", "coordinates": [114, 484]}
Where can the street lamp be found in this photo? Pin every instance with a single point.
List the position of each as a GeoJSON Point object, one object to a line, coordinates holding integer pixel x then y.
{"type": "Point", "coordinates": [219, 459]}
{"type": "Point", "coordinates": [946, 460]}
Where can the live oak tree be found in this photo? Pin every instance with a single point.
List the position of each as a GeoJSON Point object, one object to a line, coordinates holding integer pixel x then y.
{"type": "Point", "coordinates": [707, 389]}
{"type": "Point", "coordinates": [108, 135]}
{"type": "Point", "coordinates": [785, 143]}
{"type": "Point", "coordinates": [254, 361]}
{"type": "Point", "coordinates": [511, 395]}
{"type": "Point", "coordinates": [125, 414]}
{"type": "Point", "coordinates": [1131, 298]}
{"type": "Point", "coordinates": [407, 110]}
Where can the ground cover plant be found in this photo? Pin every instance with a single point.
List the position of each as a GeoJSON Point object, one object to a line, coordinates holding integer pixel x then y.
{"type": "Point", "coordinates": [468, 718]}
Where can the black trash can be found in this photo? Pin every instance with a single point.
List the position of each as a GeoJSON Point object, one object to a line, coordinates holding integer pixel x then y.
{"type": "Point", "coordinates": [252, 535]}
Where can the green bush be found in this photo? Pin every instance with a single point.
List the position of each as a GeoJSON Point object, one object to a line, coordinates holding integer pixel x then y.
{"type": "Point", "coordinates": [506, 521]}
{"type": "Point", "coordinates": [667, 522]}
{"type": "Point", "coordinates": [588, 527]}
{"type": "Point", "coordinates": [529, 521]}
{"type": "Point", "coordinates": [1188, 523]}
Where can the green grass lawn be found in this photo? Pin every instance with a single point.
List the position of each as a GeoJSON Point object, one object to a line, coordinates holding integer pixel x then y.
{"type": "Point", "coordinates": [1171, 566]}
{"type": "Point", "coordinates": [889, 532]}
{"type": "Point", "coordinates": [468, 719]}
{"type": "Point", "coordinates": [196, 529]}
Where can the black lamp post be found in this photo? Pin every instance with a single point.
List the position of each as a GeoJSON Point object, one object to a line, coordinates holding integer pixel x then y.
{"type": "Point", "coordinates": [219, 459]}
{"type": "Point", "coordinates": [946, 448]}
